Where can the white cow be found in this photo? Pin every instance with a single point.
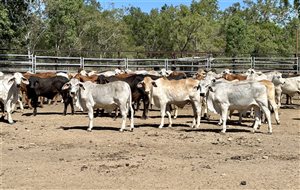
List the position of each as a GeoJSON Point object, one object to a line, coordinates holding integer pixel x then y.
{"type": "Point", "coordinates": [241, 96]}
{"type": "Point", "coordinates": [1, 75]}
{"type": "Point", "coordinates": [108, 96]}
{"type": "Point", "coordinates": [291, 86]}
{"type": "Point", "coordinates": [163, 92]}
{"type": "Point", "coordinates": [9, 93]}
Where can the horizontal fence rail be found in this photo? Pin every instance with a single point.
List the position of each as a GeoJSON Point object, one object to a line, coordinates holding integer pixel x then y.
{"type": "Point", "coordinates": [35, 63]}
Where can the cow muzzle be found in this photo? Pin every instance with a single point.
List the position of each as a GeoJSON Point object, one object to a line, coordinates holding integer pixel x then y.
{"type": "Point", "coordinates": [18, 85]}
{"type": "Point", "coordinates": [72, 94]}
{"type": "Point", "coordinates": [202, 94]}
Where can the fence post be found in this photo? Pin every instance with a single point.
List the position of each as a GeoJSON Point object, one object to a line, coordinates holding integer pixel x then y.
{"type": "Point", "coordinates": [166, 64]}
{"type": "Point", "coordinates": [34, 64]}
{"type": "Point", "coordinates": [81, 62]}
{"type": "Point", "coordinates": [126, 63]}
{"type": "Point", "coordinates": [298, 65]}
{"type": "Point", "coordinates": [208, 62]}
{"type": "Point", "coordinates": [253, 63]}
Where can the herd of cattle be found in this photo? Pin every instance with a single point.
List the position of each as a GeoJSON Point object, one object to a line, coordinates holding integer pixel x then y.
{"type": "Point", "coordinates": [122, 91]}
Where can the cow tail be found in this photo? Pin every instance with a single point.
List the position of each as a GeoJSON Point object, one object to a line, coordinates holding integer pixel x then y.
{"type": "Point", "coordinates": [129, 104]}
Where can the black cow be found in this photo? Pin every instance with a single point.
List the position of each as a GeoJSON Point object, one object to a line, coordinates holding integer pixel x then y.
{"type": "Point", "coordinates": [48, 87]}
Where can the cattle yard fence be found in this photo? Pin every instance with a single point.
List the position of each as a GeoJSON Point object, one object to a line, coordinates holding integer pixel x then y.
{"type": "Point", "coordinates": [36, 64]}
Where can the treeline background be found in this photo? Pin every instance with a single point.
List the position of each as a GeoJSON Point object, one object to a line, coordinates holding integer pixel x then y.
{"type": "Point", "coordinates": [84, 28]}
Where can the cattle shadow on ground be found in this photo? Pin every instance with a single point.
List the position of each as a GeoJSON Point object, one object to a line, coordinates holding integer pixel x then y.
{"type": "Point", "coordinates": [165, 126]}
{"type": "Point", "coordinates": [292, 106]}
{"type": "Point", "coordinates": [296, 119]}
{"type": "Point", "coordinates": [229, 122]}
{"type": "Point", "coordinates": [179, 116]}
{"type": "Point", "coordinates": [49, 113]}
{"type": "Point", "coordinates": [228, 130]}
{"type": "Point", "coordinates": [84, 128]}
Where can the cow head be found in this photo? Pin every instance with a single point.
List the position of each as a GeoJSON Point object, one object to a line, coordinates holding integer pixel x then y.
{"type": "Point", "coordinates": [73, 86]}
{"type": "Point", "coordinates": [147, 84]}
{"type": "Point", "coordinates": [205, 85]}
{"type": "Point", "coordinates": [18, 78]}
{"type": "Point", "coordinates": [250, 71]}
{"type": "Point", "coordinates": [277, 79]}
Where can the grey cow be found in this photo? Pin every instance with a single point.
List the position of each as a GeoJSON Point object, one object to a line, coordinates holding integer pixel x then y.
{"type": "Point", "coordinates": [242, 95]}
{"type": "Point", "coordinates": [107, 96]}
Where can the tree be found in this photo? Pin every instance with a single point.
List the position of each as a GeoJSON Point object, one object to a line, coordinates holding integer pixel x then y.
{"type": "Point", "coordinates": [6, 32]}
{"type": "Point", "coordinates": [237, 40]}
{"type": "Point", "coordinates": [63, 19]}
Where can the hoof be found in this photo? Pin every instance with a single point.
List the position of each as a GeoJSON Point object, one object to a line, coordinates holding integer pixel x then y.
{"type": "Point", "coordinates": [278, 122]}
{"type": "Point", "coordinates": [121, 130]}
{"type": "Point", "coordinates": [222, 133]}
{"type": "Point", "coordinates": [11, 123]}
{"type": "Point", "coordinates": [160, 127]}
{"type": "Point", "coordinates": [89, 130]}
{"type": "Point", "coordinates": [131, 130]}
{"type": "Point", "coordinates": [270, 133]}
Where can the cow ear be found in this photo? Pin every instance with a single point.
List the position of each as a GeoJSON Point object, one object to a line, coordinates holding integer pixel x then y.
{"type": "Point", "coordinates": [81, 85]}
{"type": "Point", "coordinates": [11, 80]}
{"type": "Point", "coordinates": [140, 84]}
{"type": "Point", "coordinates": [65, 86]}
{"type": "Point", "coordinates": [154, 84]}
{"type": "Point", "coordinates": [25, 81]}
{"type": "Point", "coordinates": [197, 87]}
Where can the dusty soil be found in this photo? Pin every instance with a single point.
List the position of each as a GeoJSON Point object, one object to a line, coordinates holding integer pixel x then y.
{"type": "Point", "coordinates": [51, 151]}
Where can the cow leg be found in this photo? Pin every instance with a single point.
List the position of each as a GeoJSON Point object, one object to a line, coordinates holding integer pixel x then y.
{"type": "Point", "coordinates": [240, 117]}
{"type": "Point", "coordinates": [146, 107]}
{"type": "Point", "coordinates": [267, 113]}
{"type": "Point", "coordinates": [220, 121]}
{"type": "Point", "coordinates": [91, 117]}
{"type": "Point", "coordinates": [169, 115]}
{"type": "Point", "coordinates": [131, 116]}
{"type": "Point", "coordinates": [9, 110]}
{"type": "Point", "coordinates": [65, 108]}
{"type": "Point", "coordinates": [28, 101]}
{"type": "Point", "coordinates": [205, 112]}
{"type": "Point", "coordinates": [123, 110]}
{"type": "Point", "coordinates": [72, 105]}
{"type": "Point", "coordinates": [257, 118]}
{"type": "Point", "coordinates": [176, 112]}
{"type": "Point", "coordinates": [42, 99]}
{"type": "Point", "coordinates": [278, 99]}
{"type": "Point", "coordinates": [276, 111]}
{"type": "Point", "coordinates": [197, 114]}
{"type": "Point", "coordinates": [2, 107]}
{"type": "Point", "coordinates": [162, 113]}
{"type": "Point", "coordinates": [34, 104]}
{"type": "Point", "coordinates": [224, 111]}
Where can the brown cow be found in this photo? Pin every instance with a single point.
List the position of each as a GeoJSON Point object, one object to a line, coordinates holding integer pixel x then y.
{"type": "Point", "coordinates": [82, 78]}
{"type": "Point", "coordinates": [231, 77]}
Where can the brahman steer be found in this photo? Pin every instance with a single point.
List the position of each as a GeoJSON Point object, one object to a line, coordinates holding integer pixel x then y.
{"type": "Point", "coordinates": [9, 93]}
{"type": "Point", "coordinates": [164, 92]}
{"type": "Point", "coordinates": [242, 95]}
{"type": "Point", "coordinates": [108, 96]}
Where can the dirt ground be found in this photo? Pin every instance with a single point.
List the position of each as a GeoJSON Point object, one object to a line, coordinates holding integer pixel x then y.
{"type": "Point", "coordinates": [51, 151]}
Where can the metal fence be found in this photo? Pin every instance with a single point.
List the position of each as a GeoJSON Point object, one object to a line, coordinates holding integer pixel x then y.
{"type": "Point", "coordinates": [35, 63]}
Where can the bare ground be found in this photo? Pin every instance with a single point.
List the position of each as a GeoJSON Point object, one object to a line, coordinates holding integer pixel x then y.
{"type": "Point", "coordinates": [51, 151]}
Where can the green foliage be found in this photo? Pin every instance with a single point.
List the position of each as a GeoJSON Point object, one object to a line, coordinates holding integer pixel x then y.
{"type": "Point", "coordinates": [73, 27]}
